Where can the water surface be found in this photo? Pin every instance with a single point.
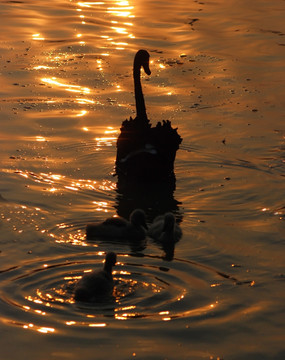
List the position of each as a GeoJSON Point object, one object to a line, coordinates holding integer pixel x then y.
{"type": "Point", "coordinates": [218, 75]}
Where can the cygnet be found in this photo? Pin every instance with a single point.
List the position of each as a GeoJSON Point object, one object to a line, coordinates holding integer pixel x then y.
{"type": "Point", "coordinates": [118, 227]}
{"type": "Point", "coordinates": [165, 229]}
{"type": "Point", "coordinates": [97, 285]}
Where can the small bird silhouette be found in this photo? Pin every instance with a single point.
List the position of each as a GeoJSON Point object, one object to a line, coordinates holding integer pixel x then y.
{"type": "Point", "coordinates": [120, 228]}
{"type": "Point", "coordinates": [165, 230]}
{"type": "Point", "coordinates": [97, 285]}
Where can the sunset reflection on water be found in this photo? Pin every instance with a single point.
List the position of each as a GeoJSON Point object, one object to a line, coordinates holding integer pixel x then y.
{"type": "Point", "coordinates": [112, 11]}
{"type": "Point", "coordinates": [217, 72]}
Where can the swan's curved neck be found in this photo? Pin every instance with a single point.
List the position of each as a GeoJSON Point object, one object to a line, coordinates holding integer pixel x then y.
{"type": "Point", "coordinates": [140, 104]}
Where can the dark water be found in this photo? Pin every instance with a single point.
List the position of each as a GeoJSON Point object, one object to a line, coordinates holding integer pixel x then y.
{"type": "Point", "coordinates": [66, 86]}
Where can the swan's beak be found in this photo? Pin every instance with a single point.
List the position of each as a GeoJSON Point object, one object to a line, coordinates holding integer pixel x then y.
{"type": "Point", "coordinates": [146, 68]}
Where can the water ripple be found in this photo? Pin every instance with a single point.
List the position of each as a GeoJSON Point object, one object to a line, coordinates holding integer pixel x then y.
{"type": "Point", "coordinates": [38, 295]}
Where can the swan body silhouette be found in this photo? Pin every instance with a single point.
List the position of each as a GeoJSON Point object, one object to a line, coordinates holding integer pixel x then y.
{"type": "Point", "coordinates": [165, 230]}
{"type": "Point", "coordinates": [118, 227]}
{"type": "Point", "coordinates": [97, 285]}
{"type": "Point", "coordinates": [145, 152]}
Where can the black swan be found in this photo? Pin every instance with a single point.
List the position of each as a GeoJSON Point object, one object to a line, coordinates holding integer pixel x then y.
{"type": "Point", "coordinates": [120, 228]}
{"type": "Point", "coordinates": [165, 230]}
{"type": "Point", "coordinates": [145, 153]}
{"type": "Point", "coordinates": [97, 285]}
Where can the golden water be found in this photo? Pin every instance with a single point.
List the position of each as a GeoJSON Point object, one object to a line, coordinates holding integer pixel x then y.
{"type": "Point", "coordinates": [66, 86]}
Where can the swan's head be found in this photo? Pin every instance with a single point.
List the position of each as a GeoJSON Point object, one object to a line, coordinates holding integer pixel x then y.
{"type": "Point", "coordinates": [142, 59]}
{"type": "Point", "coordinates": [111, 259]}
{"type": "Point", "coordinates": [138, 218]}
{"type": "Point", "coordinates": [169, 222]}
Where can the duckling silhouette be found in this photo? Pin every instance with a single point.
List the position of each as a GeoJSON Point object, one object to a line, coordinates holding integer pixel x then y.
{"type": "Point", "coordinates": [97, 285]}
{"type": "Point", "coordinates": [120, 228]}
{"type": "Point", "coordinates": [145, 152]}
{"type": "Point", "coordinates": [165, 230]}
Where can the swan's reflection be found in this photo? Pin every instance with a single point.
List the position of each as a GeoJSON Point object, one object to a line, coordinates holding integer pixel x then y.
{"type": "Point", "coordinates": [155, 198]}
